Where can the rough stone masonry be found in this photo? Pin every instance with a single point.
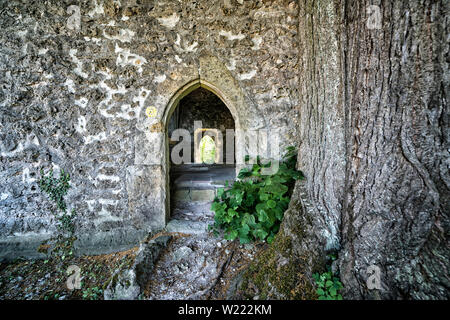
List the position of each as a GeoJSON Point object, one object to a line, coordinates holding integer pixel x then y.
{"type": "Point", "coordinates": [74, 95]}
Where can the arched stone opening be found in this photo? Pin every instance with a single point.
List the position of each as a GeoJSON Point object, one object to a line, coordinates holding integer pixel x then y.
{"type": "Point", "coordinates": [148, 179]}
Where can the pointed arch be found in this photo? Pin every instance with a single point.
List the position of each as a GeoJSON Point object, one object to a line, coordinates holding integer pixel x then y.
{"type": "Point", "coordinates": [191, 86]}
{"type": "Point", "coordinates": [173, 104]}
{"type": "Point", "coordinates": [151, 152]}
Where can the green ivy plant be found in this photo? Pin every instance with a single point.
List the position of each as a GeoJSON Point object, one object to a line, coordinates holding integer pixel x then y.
{"type": "Point", "coordinates": [328, 284]}
{"type": "Point", "coordinates": [93, 293]}
{"type": "Point", "coordinates": [66, 222]}
{"type": "Point", "coordinates": [56, 188]}
{"type": "Point", "coordinates": [253, 207]}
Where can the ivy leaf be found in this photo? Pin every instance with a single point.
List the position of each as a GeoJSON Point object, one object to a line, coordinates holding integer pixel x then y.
{"type": "Point", "coordinates": [220, 192]}
{"type": "Point", "coordinates": [239, 198]}
{"type": "Point", "coordinates": [244, 240]}
{"type": "Point", "coordinates": [262, 216]}
{"type": "Point", "coordinates": [279, 213]}
{"type": "Point", "coordinates": [244, 173]}
{"type": "Point", "coordinates": [255, 168]}
{"type": "Point", "coordinates": [249, 219]}
{"type": "Point", "coordinates": [232, 212]}
{"type": "Point", "coordinates": [215, 206]}
{"type": "Point", "coordinates": [333, 292]}
{"type": "Point", "coordinates": [263, 197]}
{"type": "Point", "coordinates": [271, 204]}
{"type": "Point", "coordinates": [260, 207]}
{"type": "Point", "coordinates": [261, 234]}
{"type": "Point", "coordinates": [244, 230]}
{"type": "Point", "coordinates": [231, 235]}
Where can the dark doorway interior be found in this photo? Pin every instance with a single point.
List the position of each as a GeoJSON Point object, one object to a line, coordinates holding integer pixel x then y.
{"type": "Point", "coordinates": [201, 105]}
{"type": "Point", "coordinates": [193, 185]}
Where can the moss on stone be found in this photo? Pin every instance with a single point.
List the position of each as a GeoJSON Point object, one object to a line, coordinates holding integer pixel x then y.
{"type": "Point", "coordinates": [275, 274]}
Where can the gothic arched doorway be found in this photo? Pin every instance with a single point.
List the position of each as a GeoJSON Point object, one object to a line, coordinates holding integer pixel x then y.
{"type": "Point", "coordinates": [201, 150]}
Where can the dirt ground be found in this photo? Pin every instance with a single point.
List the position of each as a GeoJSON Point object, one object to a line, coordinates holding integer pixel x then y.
{"type": "Point", "coordinates": [47, 279]}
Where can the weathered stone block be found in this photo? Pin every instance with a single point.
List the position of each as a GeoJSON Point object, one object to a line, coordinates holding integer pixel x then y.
{"type": "Point", "coordinates": [202, 195]}
{"type": "Point", "coordinates": [146, 196]}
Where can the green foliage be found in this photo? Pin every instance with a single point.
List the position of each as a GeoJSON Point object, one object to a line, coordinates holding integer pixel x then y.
{"type": "Point", "coordinates": [93, 293]}
{"type": "Point", "coordinates": [66, 222]}
{"type": "Point", "coordinates": [252, 209]}
{"type": "Point", "coordinates": [51, 296]}
{"type": "Point", "coordinates": [328, 284]}
{"type": "Point", "coordinates": [56, 189]}
{"type": "Point", "coordinates": [207, 150]}
{"type": "Point", "coordinates": [62, 247]}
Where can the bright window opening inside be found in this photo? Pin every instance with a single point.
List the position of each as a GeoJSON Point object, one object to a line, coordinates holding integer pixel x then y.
{"type": "Point", "coordinates": [207, 150]}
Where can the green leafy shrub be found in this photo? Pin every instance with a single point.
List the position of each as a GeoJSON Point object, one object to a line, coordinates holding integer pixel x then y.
{"type": "Point", "coordinates": [56, 188]}
{"type": "Point", "coordinates": [66, 222]}
{"type": "Point", "coordinates": [92, 293]}
{"type": "Point", "coordinates": [328, 284]}
{"type": "Point", "coordinates": [252, 209]}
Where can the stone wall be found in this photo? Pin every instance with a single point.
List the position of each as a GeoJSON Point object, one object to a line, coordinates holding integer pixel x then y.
{"type": "Point", "coordinates": [76, 98]}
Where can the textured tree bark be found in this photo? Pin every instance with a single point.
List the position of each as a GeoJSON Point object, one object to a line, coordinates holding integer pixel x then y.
{"type": "Point", "coordinates": [395, 211]}
{"type": "Point", "coordinates": [322, 143]}
{"type": "Point", "coordinates": [374, 146]}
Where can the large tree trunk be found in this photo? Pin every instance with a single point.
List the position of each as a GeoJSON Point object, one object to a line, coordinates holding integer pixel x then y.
{"type": "Point", "coordinates": [374, 147]}
{"type": "Point", "coordinates": [395, 212]}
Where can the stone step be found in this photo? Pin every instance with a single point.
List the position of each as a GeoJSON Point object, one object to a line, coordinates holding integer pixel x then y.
{"type": "Point", "coordinates": [192, 208]}
{"type": "Point", "coordinates": [200, 178]}
{"type": "Point", "coordinates": [188, 226]}
{"type": "Point", "coordinates": [194, 189]}
{"type": "Point", "coordinates": [194, 195]}
{"type": "Point", "coordinates": [187, 182]}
